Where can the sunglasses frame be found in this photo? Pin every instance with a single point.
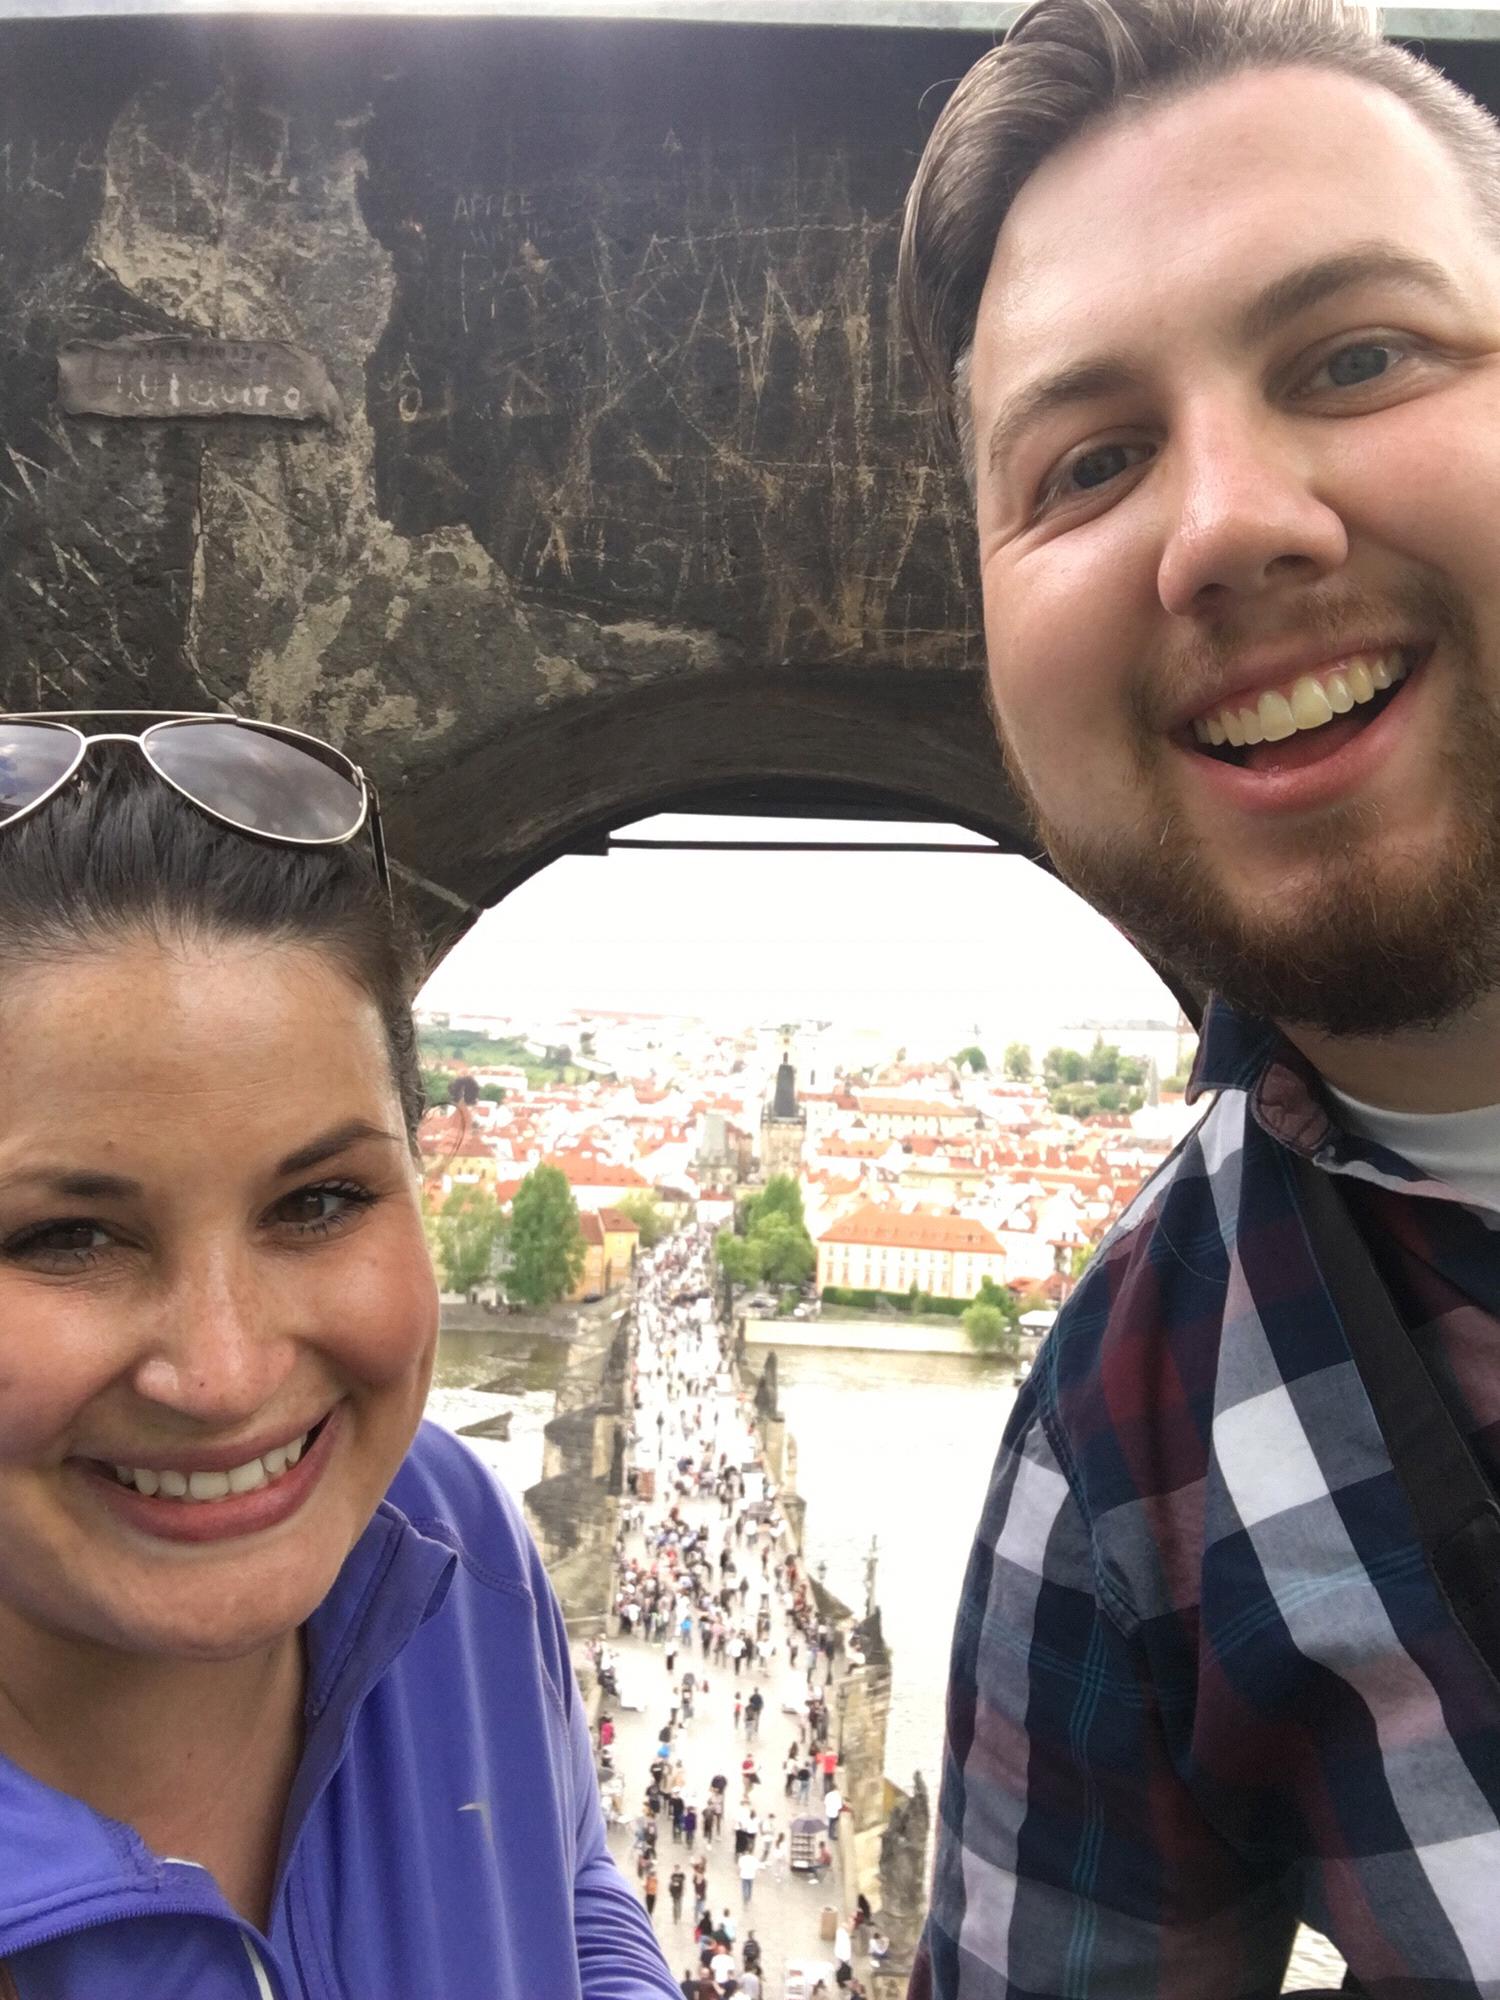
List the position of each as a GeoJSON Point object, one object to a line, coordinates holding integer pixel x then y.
{"type": "Point", "coordinates": [66, 722]}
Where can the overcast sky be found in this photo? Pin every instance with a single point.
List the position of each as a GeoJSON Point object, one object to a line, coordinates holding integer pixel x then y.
{"type": "Point", "coordinates": [920, 943]}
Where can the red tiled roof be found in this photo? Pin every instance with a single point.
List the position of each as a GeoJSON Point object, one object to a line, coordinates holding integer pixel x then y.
{"type": "Point", "coordinates": [913, 1107]}
{"type": "Point", "coordinates": [876, 1225]}
{"type": "Point", "coordinates": [583, 1170]}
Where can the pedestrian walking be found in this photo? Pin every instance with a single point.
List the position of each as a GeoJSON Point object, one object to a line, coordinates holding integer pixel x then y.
{"type": "Point", "coordinates": [749, 1867]}
{"type": "Point", "coordinates": [753, 1709]}
{"type": "Point", "coordinates": [650, 1888]}
{"type": "Point", "coordinates": [833, 1806]}
{"type": "Point", "coordinates": [676, 1883]}
{"type": "Point", "coordinates": [689, 1826]}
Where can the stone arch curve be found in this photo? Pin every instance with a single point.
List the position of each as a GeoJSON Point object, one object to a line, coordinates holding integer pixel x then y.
{"type": "Point", "coordinates": [850, 741]}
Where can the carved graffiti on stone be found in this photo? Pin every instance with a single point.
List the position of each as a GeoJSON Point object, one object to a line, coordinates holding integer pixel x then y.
{"type": "Point", "coordinates": [168, 376]}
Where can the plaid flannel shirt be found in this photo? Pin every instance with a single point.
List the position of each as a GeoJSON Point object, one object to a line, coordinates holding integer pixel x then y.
{"type": "Point", "coordinates": [1204, 1683]}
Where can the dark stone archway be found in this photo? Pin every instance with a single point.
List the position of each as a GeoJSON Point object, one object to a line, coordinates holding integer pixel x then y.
{"type": "Point", "coordinates": [836, 739]}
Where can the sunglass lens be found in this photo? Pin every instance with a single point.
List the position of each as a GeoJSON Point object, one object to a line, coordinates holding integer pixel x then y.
{"type": "Point", "coordinates": [257, 780]}
{"type": "Point", "coordinates": [33, 759]}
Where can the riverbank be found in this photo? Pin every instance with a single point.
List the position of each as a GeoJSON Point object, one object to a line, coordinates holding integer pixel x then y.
{"type": "Point", "coordinates": [878, 1334]}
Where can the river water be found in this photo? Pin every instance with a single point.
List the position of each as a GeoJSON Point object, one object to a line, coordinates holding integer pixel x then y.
{"type": "Point", "coordinates": [899, 1446]}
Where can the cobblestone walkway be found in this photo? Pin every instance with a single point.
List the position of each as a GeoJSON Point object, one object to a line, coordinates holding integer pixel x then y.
{"type": "Point", "coordinates": [785, 1907]}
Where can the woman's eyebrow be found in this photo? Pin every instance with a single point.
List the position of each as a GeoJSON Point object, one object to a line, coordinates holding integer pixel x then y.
{"type": "Point", "coordinates": [337, 1140]}
{"type": "Point", "coordinates": [88, 1184]}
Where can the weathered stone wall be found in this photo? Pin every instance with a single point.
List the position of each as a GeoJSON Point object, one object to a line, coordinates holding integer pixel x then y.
{"type": "Point", "coordinates": [633, 494]}
{"type": "Point", "coordinates": [573, 1509]}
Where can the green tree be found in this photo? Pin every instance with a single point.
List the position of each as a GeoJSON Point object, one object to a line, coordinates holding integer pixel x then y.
{"type": "Point", "coordinates": [647, 1217]}
{"type": "Point", "coordinates": [1018, 1062]}
{"type": "Point", "coordinates": [1103, 1061]}
{"type": "Point", "coordinates": [739, 1258]}
{"type": "Point", "coordinates": [1000, 1296]}
{"type": "Point", "coordinates": [435, 1086]}
{"type": "Point", "coordinates": [491, 1093]}
{"type": "Point", "coordinates": [787, 1256]}
{"type": "Point", "coordinates": [467, 1231]}
{"type": "Point", "coordinates": [546, 1240]}
{"type": "Point", "coordinates": [1132, 1070]}
{"type": "Point", "coordinates": [774, 1220]}
{"type": "Point", "coordinates": [974, 1056]}
{"type": "Point", "coordinates": [989, 1331]}
{"type": "Point", "coordinates": [780, 1196]}
{"type": "Point", "coordinates": [1064, 1066]}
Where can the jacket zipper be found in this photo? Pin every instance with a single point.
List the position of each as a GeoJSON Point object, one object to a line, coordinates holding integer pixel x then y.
{"type": "Point", "coordinates": [263, 1987]}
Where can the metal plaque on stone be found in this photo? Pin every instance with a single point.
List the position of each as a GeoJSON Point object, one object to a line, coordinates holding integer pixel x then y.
{"type": "Point", "coordinates": [168, 376]}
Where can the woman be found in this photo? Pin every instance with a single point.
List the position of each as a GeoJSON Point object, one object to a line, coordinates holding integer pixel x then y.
{"type": "Point", "coordinates": [286, 1707]}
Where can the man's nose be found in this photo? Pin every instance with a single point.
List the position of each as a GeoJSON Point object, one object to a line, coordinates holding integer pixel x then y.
{"type": "Point", "coordinates": [217, 1351]}
{"type": "Point", "coordinates": [1245, 512]}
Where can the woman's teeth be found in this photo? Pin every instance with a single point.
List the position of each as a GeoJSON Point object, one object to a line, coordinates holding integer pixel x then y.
{"type": "Point", "coordinates": [247, 1478]}
{"type": "Point", "coordinates": [1308, 704]}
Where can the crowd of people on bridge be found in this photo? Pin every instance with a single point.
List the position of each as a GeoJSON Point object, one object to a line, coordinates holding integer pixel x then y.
{"type": "Point", "coordinates": [725, 1602]}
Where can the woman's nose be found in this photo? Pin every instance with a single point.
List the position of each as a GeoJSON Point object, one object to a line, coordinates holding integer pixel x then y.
{"type": "Point", "coordinates": [216, 1352]}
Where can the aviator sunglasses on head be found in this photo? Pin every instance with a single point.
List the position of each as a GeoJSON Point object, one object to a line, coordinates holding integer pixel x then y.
{"type": "Point", "coordinates": [256, 777]}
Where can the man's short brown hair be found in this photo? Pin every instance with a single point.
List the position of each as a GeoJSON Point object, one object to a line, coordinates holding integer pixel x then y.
{"type": "Point", "coordinates": [1069, 64]}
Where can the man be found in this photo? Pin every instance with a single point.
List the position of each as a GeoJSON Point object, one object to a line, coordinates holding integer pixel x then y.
{"type": "Point", "coordinates": [1210, 290]}
{"type": "Point", "coordinates": [833, 1805]}
{"type": "Point", "coordinates": [749, 1868]}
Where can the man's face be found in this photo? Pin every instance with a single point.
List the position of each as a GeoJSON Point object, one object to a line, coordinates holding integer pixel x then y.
{"type": "Point", "coordinates": [1276, 487]}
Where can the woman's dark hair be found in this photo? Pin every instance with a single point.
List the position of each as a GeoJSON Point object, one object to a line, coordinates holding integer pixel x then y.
{"type": "Point", "coordinates": [117, 853]}
{"type": "Point", "coordinates": [1067, 66]}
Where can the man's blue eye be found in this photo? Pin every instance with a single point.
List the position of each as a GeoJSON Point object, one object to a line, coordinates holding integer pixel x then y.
{"type": "Point", "coordinates": [1364, 362]}
{"type": "Point", "coordinates": [1106, 461]}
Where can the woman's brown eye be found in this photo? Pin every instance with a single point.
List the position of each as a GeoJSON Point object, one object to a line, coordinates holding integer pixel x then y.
{"type": "Point", "coordinates": [319, 1209]}
{"type": "Point", "coordinates": [73, 1241]}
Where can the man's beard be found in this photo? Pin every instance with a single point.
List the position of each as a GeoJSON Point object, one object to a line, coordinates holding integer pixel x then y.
{"type": "Point", "coordinates": [1385, 942]}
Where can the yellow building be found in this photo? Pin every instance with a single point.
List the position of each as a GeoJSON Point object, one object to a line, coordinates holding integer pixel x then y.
{"type": "Point", "coordinates": [609, 1247]}
{"type": "Point", "coordinates": [879, 1249]}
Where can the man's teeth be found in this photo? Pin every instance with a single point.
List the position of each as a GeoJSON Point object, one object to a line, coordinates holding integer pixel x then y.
{"type": "Point", "coordinates": [1311, 701]}
{"type": "Point", "coordinates": [247, 1478]}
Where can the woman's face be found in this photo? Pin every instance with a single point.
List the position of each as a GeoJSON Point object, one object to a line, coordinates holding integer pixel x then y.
{"type": "Point", "coordinates": [210, 1247]}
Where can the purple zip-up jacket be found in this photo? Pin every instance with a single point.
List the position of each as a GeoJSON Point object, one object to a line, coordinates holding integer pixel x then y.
{"type": "Point", "coordinates": [444, 1839]}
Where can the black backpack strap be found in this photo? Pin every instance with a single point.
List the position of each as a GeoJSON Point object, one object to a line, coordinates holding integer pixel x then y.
{"type": "Point", "coordinates": [1458, 1518]}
